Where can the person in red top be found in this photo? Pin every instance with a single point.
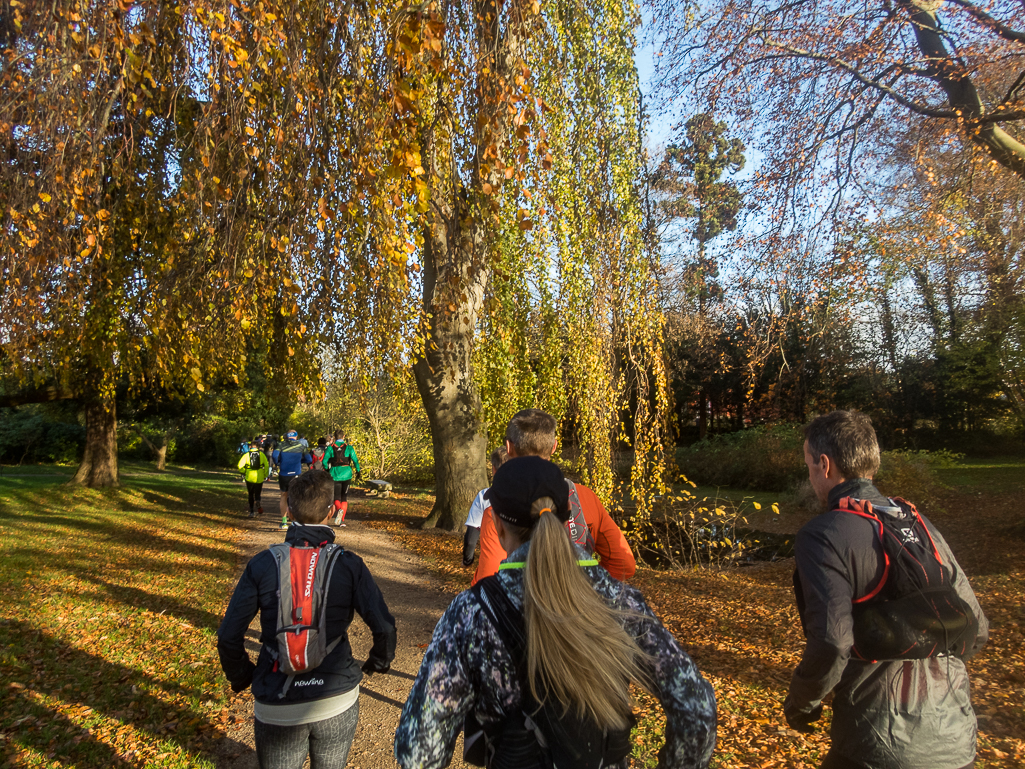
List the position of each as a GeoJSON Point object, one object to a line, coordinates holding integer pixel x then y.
{"type": "Point", "coordinates": [532, 432]}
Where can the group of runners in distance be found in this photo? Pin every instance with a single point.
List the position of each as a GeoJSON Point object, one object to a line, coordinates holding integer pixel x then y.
{"type": "Point", "coordinates": [533, 663]}
{"type": "Point", "coordinates": [287, 457]}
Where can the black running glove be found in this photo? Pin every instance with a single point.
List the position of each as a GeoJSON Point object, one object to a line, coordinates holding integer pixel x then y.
{"type": "Point", "coordinates": [801, 722]}
{"type": "Point", "coordinates": [370, 667]}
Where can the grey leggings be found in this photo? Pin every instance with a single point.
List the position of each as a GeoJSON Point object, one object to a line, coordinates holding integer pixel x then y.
{"type": "Point", "coordinates": [327, 742]}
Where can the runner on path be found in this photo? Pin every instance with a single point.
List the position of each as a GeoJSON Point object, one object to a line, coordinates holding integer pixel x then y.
{"type": "Point", "coordinates": [416, 599]}
{"type": "Point", "coordinates": [290, 458]}
{"type": "Point", "coordinates": [315, 712]}
{"type": "Point", "coordinates": [340, 459]}
{"type": "Point", "coordinates": [254, 467]}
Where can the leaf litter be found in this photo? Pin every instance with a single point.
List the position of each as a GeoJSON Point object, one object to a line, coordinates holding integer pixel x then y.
{"type": "Point", "coordinates": [741, 627]}
{"type": "Point", "coordinates": [109, 603]}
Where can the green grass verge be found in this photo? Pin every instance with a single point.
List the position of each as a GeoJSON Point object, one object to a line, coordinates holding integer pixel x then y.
{"type": "Point", "coordinates": [996, 475]}
{"type": "Point", "coordinates": [109, 605]}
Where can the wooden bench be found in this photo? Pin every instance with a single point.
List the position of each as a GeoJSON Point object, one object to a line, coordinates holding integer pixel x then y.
{"type": "Point", "coordinates": [379, 488]}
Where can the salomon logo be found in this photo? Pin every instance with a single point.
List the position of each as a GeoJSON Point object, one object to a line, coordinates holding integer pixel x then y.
{"type": "Point", "coordinates": [309, 574]}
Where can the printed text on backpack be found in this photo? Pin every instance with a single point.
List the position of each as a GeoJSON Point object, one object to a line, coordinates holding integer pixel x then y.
{"type": "Point", "coordinates": [914, 611]}
{"type": "Point", "coordinates": [304, 574]}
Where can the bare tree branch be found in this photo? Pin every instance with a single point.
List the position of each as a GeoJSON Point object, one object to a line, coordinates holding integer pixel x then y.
{"type": "Point", "coordinates": [852, 70]}
{"type": "Point", "coordinates": [1001, 29]}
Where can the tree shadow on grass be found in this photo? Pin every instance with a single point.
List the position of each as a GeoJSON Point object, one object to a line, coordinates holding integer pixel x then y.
{"type": "Point", "coordinates": [37, 666]}
{"type": "Point", "coordinates": [158, 604]}
{"type": "Point", "coordinates": [139, 540]}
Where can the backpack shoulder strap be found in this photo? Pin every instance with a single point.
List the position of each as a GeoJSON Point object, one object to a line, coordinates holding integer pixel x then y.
{"type": "Point", "coordinates": [331, 553]}
{"type": "Point", "coordinates": [863, 508]}
{"type": "Point", "coordinates": [507, 621]}
{"type": "Point", "coordinates": [910, 509]}
{"type": "Point", "coordinates": [579, 532]}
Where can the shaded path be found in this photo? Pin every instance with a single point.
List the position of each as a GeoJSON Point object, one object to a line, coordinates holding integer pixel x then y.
{"type": "Point", "coordinates": [413, 597]}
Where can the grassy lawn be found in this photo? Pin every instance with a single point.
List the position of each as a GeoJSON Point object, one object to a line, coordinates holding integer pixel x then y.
{"type": "Point", "coordinates": [998, 475]}
{"type": "Point", "coordinates": [109, 604]}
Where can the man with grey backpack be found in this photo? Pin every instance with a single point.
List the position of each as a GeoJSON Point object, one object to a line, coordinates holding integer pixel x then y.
{"type": "Point", "coordinates": [305, 680]}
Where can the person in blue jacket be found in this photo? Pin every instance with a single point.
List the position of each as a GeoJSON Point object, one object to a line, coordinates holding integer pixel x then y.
{"type": "Point", "coordinates": [290, 456]}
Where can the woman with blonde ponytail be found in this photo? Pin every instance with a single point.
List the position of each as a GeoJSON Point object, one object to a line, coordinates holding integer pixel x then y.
{"type": "Point", "coordinates": [542, 654]}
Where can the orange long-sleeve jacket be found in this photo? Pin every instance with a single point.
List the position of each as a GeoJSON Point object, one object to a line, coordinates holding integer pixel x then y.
{"type": "Point", "coordinates": [609, 543]}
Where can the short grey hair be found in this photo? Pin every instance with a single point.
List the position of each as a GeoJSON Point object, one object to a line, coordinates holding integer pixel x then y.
{"type": "Point", "coordinates": [848, 439]}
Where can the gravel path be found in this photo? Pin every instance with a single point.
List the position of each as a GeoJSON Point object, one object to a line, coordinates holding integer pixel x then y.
{"type": "Point", "coordinates": [415, 600]}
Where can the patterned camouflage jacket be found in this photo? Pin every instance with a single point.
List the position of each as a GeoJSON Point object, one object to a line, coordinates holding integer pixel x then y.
{"type": "Point", "coordinates": [466, 667]}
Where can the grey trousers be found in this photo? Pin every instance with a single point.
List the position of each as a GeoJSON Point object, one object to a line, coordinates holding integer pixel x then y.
{"type": "Point", "coordinates": [327, 742]}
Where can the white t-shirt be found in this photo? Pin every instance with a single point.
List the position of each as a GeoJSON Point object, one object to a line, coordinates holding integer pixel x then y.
{"type": "Point", "coordinates": [305, 711]}
{"type": "Point", "coordinates": [480, 504]}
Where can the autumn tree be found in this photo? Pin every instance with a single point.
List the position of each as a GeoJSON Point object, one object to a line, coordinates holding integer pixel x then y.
{"type": "Point", "coordinates": [817, 81]}
{"type": "Point", "coordinates": [175, 175]}
{"type": "Point", "coordinates": [534, 282]}
{"type": "Point", "coordinates": [690, 184]}
{"type": "Point", "coordinates": [945, 263]}
{"type": "Point", "coordinates": [196, 181]}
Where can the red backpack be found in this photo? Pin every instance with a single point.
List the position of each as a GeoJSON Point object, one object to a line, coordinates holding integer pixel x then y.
{"type": "Point", "coordinates": [914, 611]}
{"type": "Point", "coordinates": [304, 574]}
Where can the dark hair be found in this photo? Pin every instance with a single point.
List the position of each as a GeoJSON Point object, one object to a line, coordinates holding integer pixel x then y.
{"type": "Point", "coordinates": [498, 457]}
{"type": "Point", "coordinates": [532, 433]}
{"type": "Point", "coordinates": [310, 496]}
{"type": "Point", "coordinates": [848, 439]}
{"type": "Point", "coordinates": [321, 441]}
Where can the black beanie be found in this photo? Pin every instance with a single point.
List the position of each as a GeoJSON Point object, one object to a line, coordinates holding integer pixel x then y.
{"type": "Point", "coordinates": [520, 482]}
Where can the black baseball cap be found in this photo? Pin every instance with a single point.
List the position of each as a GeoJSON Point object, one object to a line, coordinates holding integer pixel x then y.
{"type": "Point", "coordinates": [523, 480]}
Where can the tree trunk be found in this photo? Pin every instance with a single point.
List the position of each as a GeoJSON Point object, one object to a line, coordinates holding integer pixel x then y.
{"type": "Point", "coordinates": [444, 376]}
{"type": "Point", "coordinates": [99, 465]}
{"type": "Point", "coordinates": [162, 453]}
{"type": "Point", "coordinates": [456, 264]}
{"type": "Point", "coordinates": [702, 415]}
{"type": "Point", "coordinates": [460, 446]}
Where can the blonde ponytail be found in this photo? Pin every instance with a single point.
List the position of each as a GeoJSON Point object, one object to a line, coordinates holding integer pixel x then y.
{"type": "Point", "coordinates": [565, 617]}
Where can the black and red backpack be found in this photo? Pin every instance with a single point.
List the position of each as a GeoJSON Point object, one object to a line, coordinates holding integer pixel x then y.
{"type": "Point", "coordinates": [913, 612]}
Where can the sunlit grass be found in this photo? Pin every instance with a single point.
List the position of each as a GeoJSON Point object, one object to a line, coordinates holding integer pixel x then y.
{"type": "Point", "coordinates": [109, 604]}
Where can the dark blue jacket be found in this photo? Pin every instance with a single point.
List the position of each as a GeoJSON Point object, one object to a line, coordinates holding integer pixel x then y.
{"type": "Point", "coordinates": [290, 459]}
{"type": "Point", "coordinates": [352, 590]}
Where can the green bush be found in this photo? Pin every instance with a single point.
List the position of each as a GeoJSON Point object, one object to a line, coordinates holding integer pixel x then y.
{"type": "Point", "coordinates": [384, 421]}
{"type": "Point", "coordinates": [40, 433]}
{"type": "Point", "coordinates": [762, 458]}
{"type": "Point", "coordinates": [913, 474]}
